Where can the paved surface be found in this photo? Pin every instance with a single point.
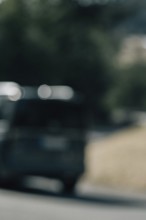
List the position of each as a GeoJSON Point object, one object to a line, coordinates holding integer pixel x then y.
{"type": "Point", "coordinates": [35, 203]}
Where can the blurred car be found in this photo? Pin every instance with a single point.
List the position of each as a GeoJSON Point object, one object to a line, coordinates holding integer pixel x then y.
{"type": "Point", "coordinates": [46, 136]}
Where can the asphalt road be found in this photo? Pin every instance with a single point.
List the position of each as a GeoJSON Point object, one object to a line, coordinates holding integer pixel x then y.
{"type": "Point", "coordinates": [32, 202]}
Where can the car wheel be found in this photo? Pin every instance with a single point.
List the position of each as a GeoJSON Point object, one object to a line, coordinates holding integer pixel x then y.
{"type": "Point", "coordinates": [11, 182]}
{"type": "Point", "coordinates": [69, 186]}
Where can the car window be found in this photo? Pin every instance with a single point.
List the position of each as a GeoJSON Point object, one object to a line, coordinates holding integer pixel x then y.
{"type": "Point", "coordinates": [48, 114]}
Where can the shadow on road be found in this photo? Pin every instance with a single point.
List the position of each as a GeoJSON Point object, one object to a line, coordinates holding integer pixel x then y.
{"type": "Point", "coordinates": [116, 201]}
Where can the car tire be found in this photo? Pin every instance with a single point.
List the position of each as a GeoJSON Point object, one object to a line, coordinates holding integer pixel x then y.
{"type": "Point", "coordinates": [69, 186]}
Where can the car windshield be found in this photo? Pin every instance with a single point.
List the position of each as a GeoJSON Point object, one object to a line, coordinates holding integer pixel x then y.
{"type": "Point", "coordinates": [47, 113]}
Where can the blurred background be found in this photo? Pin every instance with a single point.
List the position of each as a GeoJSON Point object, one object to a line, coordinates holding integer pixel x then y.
{"type": "Point", "coordinates": [98, 47]}
{"type": "Point", "coordinates": [95, 46]}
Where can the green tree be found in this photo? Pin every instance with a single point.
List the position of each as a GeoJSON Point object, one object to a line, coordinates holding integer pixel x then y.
{"type": "Point", "coordinates": [59, 42]}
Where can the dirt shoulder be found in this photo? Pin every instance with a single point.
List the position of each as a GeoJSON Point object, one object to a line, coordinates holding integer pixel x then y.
{"type": "Point", "coordinates": [118, 160]}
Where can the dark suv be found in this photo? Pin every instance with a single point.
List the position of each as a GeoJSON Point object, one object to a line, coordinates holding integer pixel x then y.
{"type": "Point", "coordinates": [44, 138]}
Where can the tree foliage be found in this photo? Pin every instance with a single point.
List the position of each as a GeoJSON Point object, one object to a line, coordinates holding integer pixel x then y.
{"type": "Point", "coordinates": [60, 42]}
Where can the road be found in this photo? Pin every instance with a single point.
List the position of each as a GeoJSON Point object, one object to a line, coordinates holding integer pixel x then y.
{"type": "Point", "coordinates": [35, 203]}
